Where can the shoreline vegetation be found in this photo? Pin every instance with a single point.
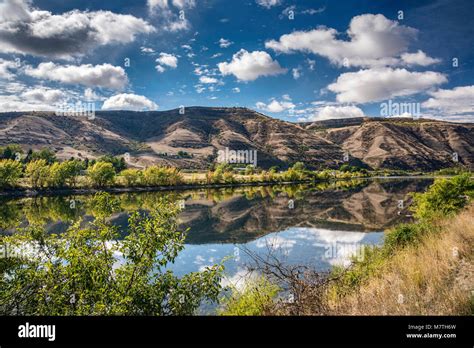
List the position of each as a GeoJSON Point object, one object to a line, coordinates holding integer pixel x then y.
{"type": "Point", "coordinates": [422, 268]}
{"type": "Point", "coordinates": [40, 173]}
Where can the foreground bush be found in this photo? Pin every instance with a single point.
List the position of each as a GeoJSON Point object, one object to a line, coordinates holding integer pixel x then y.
{"type": "Point", "coordinates": [444, 197]}
{"type": "Point", "coordinates": [254, 299]}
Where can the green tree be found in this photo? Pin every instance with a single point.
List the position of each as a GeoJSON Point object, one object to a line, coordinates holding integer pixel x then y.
{"type": "Point", "coordinates": [101, 174]}
{"type": "Point", "coordinates": [118, 162]}
{"type": "Point", "coordinates": [345, 168]}
{"type": "Point", "coordinates": [228, 177]}
{"type": "Point", "coordinates": [292, 175]}
{"type": "Point", "coordinates": [72, 170]}
{"type": "Point", "coordinates": [132, 177]}
{"type": "Point", "coordinates": [56, 176]}
{"type": "Point", "coordinates": [11, 152]}
{"type": "Point", "coordinates": [44, 154]}
{"type": "Point", "coordinates": [157, 176]}
{"type": "Point", "coordinates": [249, 170]}
{"type": "Point", "coordinates": [154, 176]}
{"type": "Point", "coordinates": [299, 166]}
{"type": "Point", "coordinates": [10, 172]}
{"type": "Point", "coordinates": [88, 271]}
{"type": "Point", "coordinates": [37, 172]}
{"type": "Point", "coordinates": [64, 173]}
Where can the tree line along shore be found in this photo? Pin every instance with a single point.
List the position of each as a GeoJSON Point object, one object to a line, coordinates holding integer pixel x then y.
{"type": "Point", "coordinates": [41, 170]}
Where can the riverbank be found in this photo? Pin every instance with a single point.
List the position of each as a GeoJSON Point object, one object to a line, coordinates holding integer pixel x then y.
{"type": "Point", "coordinates": [433, 277]}
{"type": "Point", "coordinates": [20, 192]}
{"type": "Point", "coordinates": [422, 268]}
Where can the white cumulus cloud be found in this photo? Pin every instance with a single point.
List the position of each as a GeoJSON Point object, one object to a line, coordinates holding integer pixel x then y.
{"type": "Point", "coordinates": [337, 112]}
{"type": "Point", "coordinates": [418, 58]}
{"type": "Point", "coordinates": [223, 43]}
{"type": "Point", "coordinates": [208, 80]}
{"type": "Point", "coordinates": [28, 30]}
{"type": "Point", "coordinates": [170, 13]}
{"type": "Point", "coordinates": [104, 75]}
{"type": "Point", "coordinates": [371, 85]}
{"type": "Point", "coordinates": [44, 95]}
{"type": "Point", "coordinates": [373, 41]}
{"type": "Point", "coordinates": [248, 66]}
{"type": "Point", "coordinates": [6, 67]}
{"type": "Point", "coordinates": [275, 106]}
{"type": "Point", "coordinates": [126, 101]}
{"type": "Point", "coordinates": [166, 59]}
{"type": "Point", "coordinates": [164, 4]}
{"type": "Point", "coordinates": [35, 98]}
{"type": "Point", "coordinates": [296, 72]}
{"type": "Point", "coordinates": [456, 103]}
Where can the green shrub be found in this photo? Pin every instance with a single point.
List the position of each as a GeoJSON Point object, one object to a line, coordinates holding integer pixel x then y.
{"type": "Point", "coordinates": [11, 152]}
{"type": "Point", "coordinates": [44, 154]}
{"type": "Point", "coordinates": [81, 272]}
{"type": "Point", "coordinates": [361, 269]}
{"type": "Point", "coordinates": [299, 166]}
{"type": "Point", "coordinates": [158, 176]}
{"type": "Point", "coordinates": [444, 197]}
{"type": "Point", "coordinates": [228, 177]}
{"type": "Point", "coordinates": [132, 177]}
{"type": "Point", "coordinates": [37, 172]}
{"type": "Point", "coordinates": [401, 236]}
{"type": "Point", "coordinates": [118, 162]}
{"type": "Point", "coordinates": [254, 299]}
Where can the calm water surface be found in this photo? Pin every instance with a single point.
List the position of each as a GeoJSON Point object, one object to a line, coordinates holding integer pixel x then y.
{"type": "Point", "coordinates": [318, 226]}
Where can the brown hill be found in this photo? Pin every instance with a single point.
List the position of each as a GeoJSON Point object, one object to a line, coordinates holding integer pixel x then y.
{"type": "Point", "coordinates": [192, 139]}
{"type": "Point", "coordinates": [405, 144]}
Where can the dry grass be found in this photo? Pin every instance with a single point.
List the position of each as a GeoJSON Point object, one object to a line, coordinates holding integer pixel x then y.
{"type": "Point", "coordinates": [434, 277]}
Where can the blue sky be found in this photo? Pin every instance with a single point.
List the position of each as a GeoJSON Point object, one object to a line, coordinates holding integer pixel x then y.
{"type": "Point", "coordinates": [295, 60]}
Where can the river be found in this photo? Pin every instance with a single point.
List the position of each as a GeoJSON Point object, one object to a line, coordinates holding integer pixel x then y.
{"type": "Point", "coordinates": [314, 225]}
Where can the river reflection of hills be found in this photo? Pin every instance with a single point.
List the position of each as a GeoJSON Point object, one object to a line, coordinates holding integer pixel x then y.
{"type": "Point", "coordinates": [238, 215]}
{"type": "Point", "coordinates": [370, 207]}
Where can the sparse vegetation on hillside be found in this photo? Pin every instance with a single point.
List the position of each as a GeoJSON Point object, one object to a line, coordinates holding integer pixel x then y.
{"type": "Point", "coordinates": [189, 140]}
